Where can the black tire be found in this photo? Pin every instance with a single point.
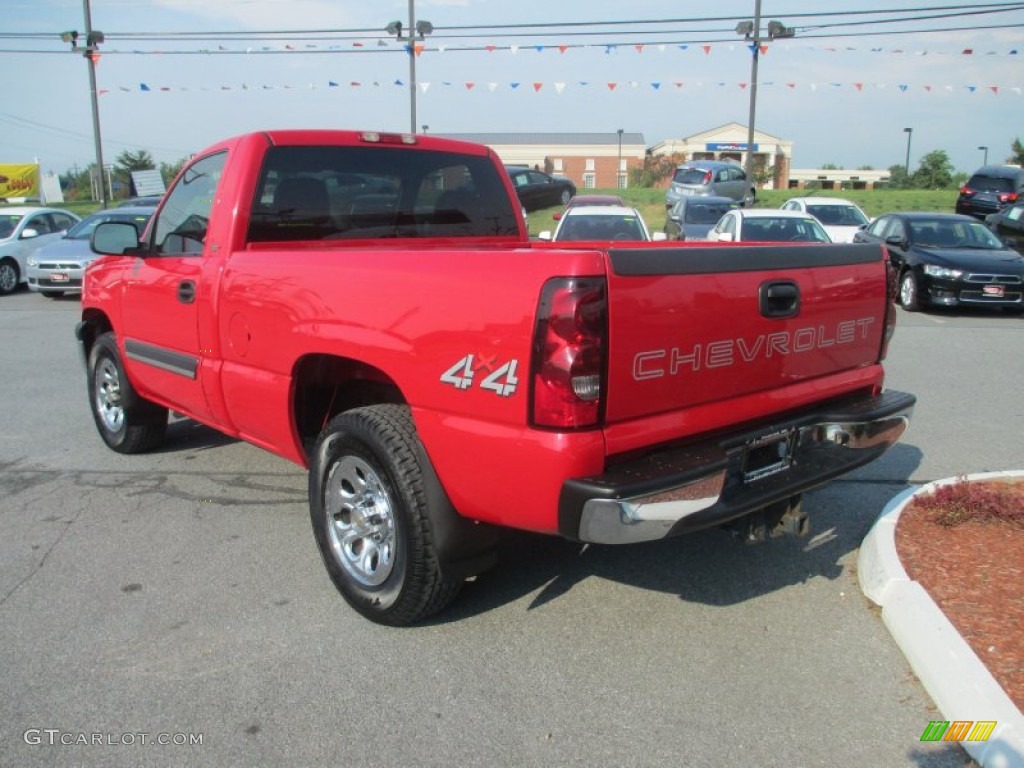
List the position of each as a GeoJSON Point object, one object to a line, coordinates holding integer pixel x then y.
{"type": "Point", "coordinates": [53, 294]}
{"type": "Point", "coordinates": [126, 422]}
{"type": "Point", "coordinates": [908, 292]}
{"type": "Point", "coordinates": [368, 491]}
{"type": "Point", "coordinates": [9, 276]}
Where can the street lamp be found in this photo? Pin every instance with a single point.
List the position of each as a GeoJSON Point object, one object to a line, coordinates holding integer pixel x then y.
{"type": "Point", "coordinates": [417, 30]}
{"type": "Point", "coordinates": [906, 166]}
{"type": "Point", "coordinates": [985, 150]}
{"type": "Point", "coordinates": [91, 52]}
{"type": "Point", "coordinates": [618, 165]}
{"type": "Point", "coordinates": [751, 30]}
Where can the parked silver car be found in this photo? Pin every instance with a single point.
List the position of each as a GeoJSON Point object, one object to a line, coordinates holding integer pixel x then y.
{"type": "Point", "coordinates": [23, 229]}
{"type": "Point", "coordinates": [711, 177]}
{"type": "Point", "coordinates": [57, 268]}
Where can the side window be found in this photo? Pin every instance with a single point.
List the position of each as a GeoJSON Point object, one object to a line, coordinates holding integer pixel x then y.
{"type": "Point", "coordinates": [62, 221]}
{"type": "Point", "coordinates": [895, 229]}
{"type": "Point", "coordinates": [181, 228]}
{"type": "Point", "coordinates": [878, 226]}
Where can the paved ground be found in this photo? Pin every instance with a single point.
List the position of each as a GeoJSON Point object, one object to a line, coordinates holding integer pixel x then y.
{"type": "Point", "coordinates": [181, 593]}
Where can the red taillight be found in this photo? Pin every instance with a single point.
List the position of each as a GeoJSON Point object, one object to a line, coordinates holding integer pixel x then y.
{"type": "Point", "coordinates": [707, 177]}
{"type": "Point", "coordinates": [892, 278]}
{"type": "Point", "coordinates": [1009, 197]}
{"type": "Point", "coordinates": [569, 351]}
{"type": "Point", "coordinates": [966, 191]}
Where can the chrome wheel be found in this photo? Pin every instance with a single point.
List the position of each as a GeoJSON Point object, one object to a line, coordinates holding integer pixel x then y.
{"type": "Point", "coordinates": [908, 292]}
{"type": "Point", "coordinates": [360, 521]}
{"type": "Point", "coordinates": [108, 395]}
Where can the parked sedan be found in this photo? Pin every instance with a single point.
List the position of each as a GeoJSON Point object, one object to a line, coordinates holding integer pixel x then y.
{"type": "Point", "coordinates": [948, 260]}
{"type": "Point", "coordinates": [1008, 225]}
{"type": "Point", "coordinates": [601, 222]}
{"type": "Point", "coordinates": [537, 189]}
{"type": "Point", "coordinates": [23, 229]}
{"type": "Point", "coordinates": [840, 218]}
{"type": "Point", "coordinates": [691, 218]}
{"type": "Point", "coordinates": [57, 268]}
{"type": "Point", "coordinates": [767, 225]}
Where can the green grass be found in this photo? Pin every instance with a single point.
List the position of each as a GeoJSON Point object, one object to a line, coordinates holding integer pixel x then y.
{"type": "Point", "coordinates": [651, 202]}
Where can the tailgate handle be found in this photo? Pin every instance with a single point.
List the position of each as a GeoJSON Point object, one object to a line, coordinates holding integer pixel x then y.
{"type": "Point", "coordinates": [780, 298]}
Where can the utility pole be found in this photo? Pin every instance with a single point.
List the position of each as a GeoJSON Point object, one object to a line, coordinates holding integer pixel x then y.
{"type": "Point", "coordinates": [91, 53]}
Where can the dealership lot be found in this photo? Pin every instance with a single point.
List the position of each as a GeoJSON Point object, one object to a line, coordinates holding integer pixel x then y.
{"type": "Point", "coordinates": [180, 594]}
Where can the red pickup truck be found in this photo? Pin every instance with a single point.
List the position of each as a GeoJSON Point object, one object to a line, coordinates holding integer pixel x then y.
{"type": "Point", "coordinates": [370, 306]}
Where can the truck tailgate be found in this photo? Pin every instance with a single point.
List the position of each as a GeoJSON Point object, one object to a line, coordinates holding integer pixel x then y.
{"type": "Point", "coordinates": [699, 325]}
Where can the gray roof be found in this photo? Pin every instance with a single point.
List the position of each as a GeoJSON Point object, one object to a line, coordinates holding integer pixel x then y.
{"type": "Point", "coordinates": [547, 139]}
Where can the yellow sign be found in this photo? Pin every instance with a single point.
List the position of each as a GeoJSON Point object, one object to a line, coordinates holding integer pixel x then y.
{"type": "Point", "coordinates": [19, 180]}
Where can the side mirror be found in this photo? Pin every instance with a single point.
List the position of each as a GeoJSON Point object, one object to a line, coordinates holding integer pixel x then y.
{"type": "Point", "coordinates": [28, 233]}
{"type": "Point", "coordinates": [114, 238]}
{"type": "Point", "coordinates": [658, 236]}
{"type": "Point", "coordinates": [896, 240]}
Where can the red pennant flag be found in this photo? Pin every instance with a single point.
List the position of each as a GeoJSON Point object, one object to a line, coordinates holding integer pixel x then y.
{"type": "Point", "coordinates": [707, 48]}
{"type": "Point", "coordinates": [538, 86]}
{"type": "Point", "coordinates": [859, 86]}
{"type": "Point", "coordinates": [563, 48]}
{"type": "Point", "coordinates": [469, 86]}
{"type": "Point", "coordinates": [791, 85]}
{"type": "Point", "coordinates": [743, 86]}
{"type": "Point", "coordinates": [611, 86]}
{"type": "Point", "coordinates": [764, 49]}
{"type": "Point", "coordinates": [418, 48]}
{"type": "Point", "coordinates": [94, 57]}
{"type": "Point", "coordinates": [489, 48]}
{"type": "Point", "coordinates": [994, 89]}
{"type": "Point", "coordinates": [679, 85]}
{"type": "Point", "coordinates": [639, 48]}
{"type": "Point", "coordinates": [968, 51]}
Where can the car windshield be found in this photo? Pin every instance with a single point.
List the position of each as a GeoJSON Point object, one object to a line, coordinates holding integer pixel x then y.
{"type": "Point", "coordinates": [936, 233]}
{"type": "Point", "coordinates": [691, 176]}
{"type": "Point", "coordinates": [83, 230]}
{"type": "Point", "coordinates": [779, 229]}
{"type": "Point", "coordinates": [703, 213]}
{"type": "Point", "coordinates": [838, 215]}
{"type": "Point", "coordinates": [8, 222]}
{"type": "Point", "coordinates": [586, 227]}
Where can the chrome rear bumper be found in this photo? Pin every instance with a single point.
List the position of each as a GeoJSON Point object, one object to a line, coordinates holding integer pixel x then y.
{"type": "Point", "coordinates": [674, 491]}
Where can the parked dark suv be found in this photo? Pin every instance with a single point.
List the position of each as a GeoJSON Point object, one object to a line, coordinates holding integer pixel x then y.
{"type": "Point", "coordinates": [991, 189]}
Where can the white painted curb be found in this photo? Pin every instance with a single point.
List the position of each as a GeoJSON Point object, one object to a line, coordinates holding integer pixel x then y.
{"type": "Point", "coordinates": [959, 684]}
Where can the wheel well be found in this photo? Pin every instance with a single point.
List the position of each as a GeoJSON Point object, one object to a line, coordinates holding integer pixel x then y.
{"type": "Point", "coordinates": [325, 385]}
{"type": "Point", "coordinates": [94, 324]}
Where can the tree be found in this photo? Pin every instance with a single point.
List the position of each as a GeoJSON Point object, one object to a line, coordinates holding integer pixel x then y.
{"type": "Point", "coordinates": [898, 177]}
{"type": "Point", "coordinates": [656, 169]}
{"type": "Point", "coordinates": [934, 172]}
{"type": "Point", "coordinates": [168, 171]}
{"type": "Point", "coordinates": [1017, 158]}
{"type": "Point", "coordinates": [129, 161]}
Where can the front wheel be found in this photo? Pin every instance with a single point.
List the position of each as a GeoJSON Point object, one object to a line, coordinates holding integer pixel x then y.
{"type": "Point", "coordinates": [9, 276]}
{"type": "Point", "coordinates": [368, 506]}
{"type": "Point", "coordinates": [908, 292]}
{"type": "Point", "coordinates": [126, 422]}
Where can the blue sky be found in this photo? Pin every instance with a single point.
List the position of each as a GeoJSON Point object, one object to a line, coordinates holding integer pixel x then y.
{"type": "Point", "coordinates": [840, 99]}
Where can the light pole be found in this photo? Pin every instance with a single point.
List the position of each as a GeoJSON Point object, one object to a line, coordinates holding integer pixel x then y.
{"type": "Point", "coordinates": [985, 150]}
{"type": "Point", "coordinates": [906, 166]}
{"type": "Point", "coordinates": [618, 165]}
{"type": "Point", "coordinates": [418, 30]}
{"type": "Point", "coordinates": [752, 31]}
{"type": "Point", "coordinates": [91, 52]}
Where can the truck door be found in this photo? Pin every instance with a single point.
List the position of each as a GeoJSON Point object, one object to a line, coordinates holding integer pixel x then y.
{"type": "Point", "coordinates": [162, 288]}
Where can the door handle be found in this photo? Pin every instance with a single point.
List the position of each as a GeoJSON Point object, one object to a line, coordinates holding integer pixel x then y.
{"type": "Point", "coordinates": [187, 291]}
{"type": "Point", "coordinates": [780, 298]}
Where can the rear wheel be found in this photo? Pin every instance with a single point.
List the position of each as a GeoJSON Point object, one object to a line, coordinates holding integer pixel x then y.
{"type": "Point", "coordinates": [126, 422]}
{"type": "Point", "coordinates": [909, 292]}
{"type": "Point", "coordinates": [368, 492]}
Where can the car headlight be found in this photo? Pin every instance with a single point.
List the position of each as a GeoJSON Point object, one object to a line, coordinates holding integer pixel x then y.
{"type": "Point", "coordinates": [944, 272]}
{"type": "Point", "coordinates": [32, 261]}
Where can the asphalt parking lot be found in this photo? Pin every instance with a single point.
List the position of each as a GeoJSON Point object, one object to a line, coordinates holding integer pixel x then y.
{"type": "Point", "coordinates": [178, 597]}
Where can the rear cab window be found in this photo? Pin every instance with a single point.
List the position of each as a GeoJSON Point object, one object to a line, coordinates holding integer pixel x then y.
{"type": "Point", "coordinates": [338, 193]}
